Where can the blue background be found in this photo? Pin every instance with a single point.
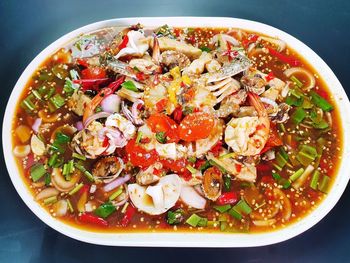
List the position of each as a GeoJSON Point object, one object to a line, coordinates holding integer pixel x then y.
{"type": "Point", "coordinates": [26, 27]}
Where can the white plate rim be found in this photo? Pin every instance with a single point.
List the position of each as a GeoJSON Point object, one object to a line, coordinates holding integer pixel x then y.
{"type": "Point", "coordinates": [186, 239]}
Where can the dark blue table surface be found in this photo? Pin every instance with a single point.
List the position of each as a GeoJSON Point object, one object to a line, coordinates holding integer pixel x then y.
{"type": "Point", "coordinates": [26, 27]}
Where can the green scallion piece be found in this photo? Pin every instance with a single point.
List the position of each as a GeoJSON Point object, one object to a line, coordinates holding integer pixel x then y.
{"type": "Point", "coordinates": [280, 160]}
{"type": "Point", "coordinates": [116, 194]}
{"type": "Point", "coordinates": [70, 207]}
{"type": "Point", "coordinates": [202, 222]}
{"type": "Point", "coordinates": [227, 182]}
{"type": "Point", "coordinates": [324, 184]}
{"type": "Point", "coordinates": [47, 179]}
{"type": "Point", "coordinates": [160, 136]}
{"type": "Point", "coordinates": [130, 86]}
{"type": "Point", "coordinates": [296, 81]}
{"type": "Point", "coordinates": [205, 49]}
{"type": "Point", "coordinates": [36, 94]}
{"type": "Point", "coordinates": [88, 175]}
{"type": "Point", "coordinates": [320, 102]}
{"type": "Point", "coordinates": [227, 155]}
{"type": "Point", "coordinates": [314, 180]}
{"type": "Point", "coordinates": [191, 169]}
{"type": "Point", "coordinates": [37, 171]}
{"type": "Point", "coordinates": [223, 226]}
{"type": "Point", "coordinates": [222, 208]}
{"type": "Point", "coordinates": [193, 220]}
{"type": "Point", "coordinates": [276, 176]}
{"type": "Point", "coordinates": [57, 101]}
{"type": "Point", "coordinates": [192, 159]}
{"type": "Point", "coordinates": [306, 155]}
{"type": "Point", "coordinates": [105, 210]}
{"type": "Point", "coordinates": [76, 189]}
{"type": "Point", "coordinates": [139, 137]}
{"type": "Point", "coordinates": [78, 156]}
{"type": "Point", "coordinates": [50, 200]}
{"type": "Point", "coordinates": [298, 115]}
{"type": "Point", "coordinates": [296, 175]}
{"type": "Point", "coordinates": [214, 163]}
{"type": "Point", "coordinates": [242, 207]}
{"type": "Point", "coordinates": [53, 160]}
{"type": "Point", "coordinates": [61, 138]}
{"type": "Point", "coordinates": [232, 212]}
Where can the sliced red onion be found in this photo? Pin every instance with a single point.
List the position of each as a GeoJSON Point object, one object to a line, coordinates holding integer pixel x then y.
{"type": "Point", "coordinates": [116, 183]}
{"type": "Point", "coordinates": [116, 137]}
{"type": "Point", "coordinates": [111, 103]}
{"type": "Point", "coordinates": [36, 125]}
{"type": "Point", "coordinates": [79, 125]}
{"type": "Point", "coordinates": [96, 116]}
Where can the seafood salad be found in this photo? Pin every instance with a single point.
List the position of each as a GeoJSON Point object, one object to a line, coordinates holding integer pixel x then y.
{"type": "Point", "coordinates": [199, 129]}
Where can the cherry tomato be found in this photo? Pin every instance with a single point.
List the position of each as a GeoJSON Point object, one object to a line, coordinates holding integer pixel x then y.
{"type": "Point", "coordinates": [162, 123]}
{"type": "Point", "coordinates": [161, 105]}
{"type": "Point", "coordinates": [178, 114]}
{"type": "Point", "coordinates": [139, 156]}
{"type": "Point", "coordinates": [195, 126]}
{"type": "Point", "coordinates": [93, 73]}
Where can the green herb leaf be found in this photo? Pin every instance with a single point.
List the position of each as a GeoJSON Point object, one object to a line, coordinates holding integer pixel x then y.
{"type": "Point", "coordinates": [160, 136]}
{"type": "Point", "coordinates": [130, 85]}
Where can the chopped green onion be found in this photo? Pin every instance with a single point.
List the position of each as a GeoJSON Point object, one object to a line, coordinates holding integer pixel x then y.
{"type": "Point", "coordinates": [242, 207]}
{"type": "Point", "coordinates": [78, 156]}
{"type": "Point", "coordinates": [61, 138]}
{"type": "Point", "coordinates": [298, 116]}
{"type": "Point", "coordinates": [202, 222]}
{"type": "Point", "coordinates": [50, 200]}
{"type": "Point", "coordinates": [194, 220]}
{"type": "Point", "coordinates": [227, 182]}
{"type": "Point", "coordinates": [276, 176]}
{"type": "Point", "coordinates": [187, 110]}
{"type": "Point", "coordinates": [70, 207]}
{"type": "Point", "coordinates": [56, 147]}
{"type": "Point", "coordinates": [293, 101]}
{"type": "Point", "coordinates": [324, 184]}
{"type": "Point", "coordinates": [205, 166]}
{"type": "Point", "coordinates": [280, 160]}
{"type": "Point", "coordinates": [205, 49]}
{"type": "Point", "coordinates": [314, 180]}
{"type": "Point", "coordinates": [130, 85]}
{"type": "Point", "coordinates": [37, 171]}
{"type": "Point", "coordinates": [74, 74]}
{"type": "Point", "coordinates": [116, 194]}
{"type": "Point", "coordinates": [227, 155]}
{"type": "Point", "coordinates": [160, 136]}
{"type": "Point", "coordinates": [175, 217]}
{"type": "Point", "coordinates": [68, 87]}
{"type": "Point", "coordinates": [88, 175]}
{"type": "Point", "coordinates": [139, 137]}
{"type": "Point", "coordinates": [232, 212]}
{"type": "Point", "coordinates": [47, 179]}
{"type": "Point", "coordinates": [50, 93]}
{"type": "Point", "coordinates": [76, 189]}
{"type": "Point", "coordinates": [27, 103]}
{"type": "Point", "coordinates": [191, 169]}
{"type": "Point", "coordinates": [307, 104]}
{"type": "Point", "coordinates": [192, 159]}
{"type": "Point", "coordinates": [296, 175]}
{"type": "Point", "coordinates": [57, 101]}
{"type": "Point", "coordinates": [306, 155]}
{"type": "Point", "coordinates": [296, 81]}
{"type": "Point", "coordinates": [36, 94]}
{"type": "Point", "coordinates": [222, 208]}
{"type": "Point", "coordinates": [282, 127]}
{"type": "Point", "coordinates": [53, 160]}
{"type": "Point", "coordinates": [223, 226]}
{"type": "Point", "coordinates": [105, 210]}
{"type": "Point", "coordinates": [320, 102]}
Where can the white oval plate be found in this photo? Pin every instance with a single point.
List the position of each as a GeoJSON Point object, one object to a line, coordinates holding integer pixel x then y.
{"type": "Point", "coordinates": [178, 239]}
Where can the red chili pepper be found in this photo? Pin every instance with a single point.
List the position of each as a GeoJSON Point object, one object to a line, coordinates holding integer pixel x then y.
{"type": "Point", "coordinates": [84, 189]}
{"type": "Point", "coordinates": [291, 61]}
{"type": "Point", "coordinates": [82, 62]}
{"type": "Point", "coordinates": [116, 84]}
{"type": "Point", "coordinates": [129, 213]}
{"type": "Point", "coordinates": [92, 219]}
{"type": "Point", "coordinates": [238, 167]}
{"type": "Point", "coordinates": [157, 171]}
{"type": "Point", "coordinates": [270, 76]}
{"type": "Point", "coordinates": [322, 93]}
{"type": "Point", "coordinates": [140, 76]}
{"type": "Point", "coordinates": [177, 32]}
{"type": "Point", "coordinates": [215, 150]}
{"type": "Point", "coordinates": [124, 42]}
{"type": "Point", "coordinates": [91, 84]}
{"type": "Point", "coordinates": [199, 163]}
{"type": "Point", "coordinates": [160, 105]}
{"type": "Point", "coordinates": [251, 39]}
{"type": "Point", "coordinates": [178, 114]}
{"type": "Point", "coordinates": [227, 198]}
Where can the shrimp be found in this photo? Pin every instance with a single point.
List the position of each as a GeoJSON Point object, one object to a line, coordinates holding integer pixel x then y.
{"type": "Point", "coordinates": [247, 136]}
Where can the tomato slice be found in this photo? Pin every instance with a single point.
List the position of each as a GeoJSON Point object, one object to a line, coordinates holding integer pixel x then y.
{"type": "Point", "coordinates": [139, 156]}
{"type": "Point", "coordinates": [93, 73]}
{"type": "Point", "coordinates": [177, 166]}
{"type": "Point", "coordinates": [162, 123]}
{"type": "Point", "coordinates": [195, 126]}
